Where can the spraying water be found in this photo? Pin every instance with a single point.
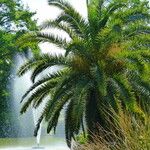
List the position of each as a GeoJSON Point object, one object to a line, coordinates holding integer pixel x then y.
{"type": "Point", "coordinates": [26, 123]}
{"type": "Point", "coordinates": [36, 114]}
{"type": "Point", "coordinates": [18, 87]}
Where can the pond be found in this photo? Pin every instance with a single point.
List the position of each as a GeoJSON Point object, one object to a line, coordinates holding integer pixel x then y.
{"type": "Point", "coordinates": [46, 143]}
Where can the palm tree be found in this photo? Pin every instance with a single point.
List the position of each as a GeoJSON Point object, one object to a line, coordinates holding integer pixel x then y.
{"type": "Point", "coordinates": [105, 63]}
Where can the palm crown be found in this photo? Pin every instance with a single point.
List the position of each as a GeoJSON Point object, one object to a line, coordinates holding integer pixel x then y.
{"type": "Point", "coordinates": [106, 62]}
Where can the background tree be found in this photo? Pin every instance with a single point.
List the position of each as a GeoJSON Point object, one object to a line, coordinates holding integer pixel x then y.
{"type": "Point", "coordinates": [106, 63]}
{"type": "Point", "coordinates": [14, 22]}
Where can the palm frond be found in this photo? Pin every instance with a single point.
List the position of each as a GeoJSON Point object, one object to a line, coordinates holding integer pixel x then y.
{"type": "Point", "coordinates": [45, 37]}
{"type": "Point", "coordinates": [80, 27]}
{"type": "Point", "coordinates": [71, 16]}
{"type": "Point", "coordinates": [49, 61]}
{"type": "Point", "coordinates": [124, 89]}
{"type": "Point", "coordinates": [41, 117]}
{"type": "Point", "coordinates": [41, 37]}
{"type": "Point", "coordinates": [110, 10]}
{"type": "Point", "coordinates": [47, 78]}
{"type": "Point", "coordinates": [57, 107]}
{"type": "Point", "coordinates": [42, 62]}
{"type": "Point", "coordinates": [39, 93]}
{"type": "Point", "coordinates": [68, 124]}
{"type": "Point", "coordinates": [60, 26]}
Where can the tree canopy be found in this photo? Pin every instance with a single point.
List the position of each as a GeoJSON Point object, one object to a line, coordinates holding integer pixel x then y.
{"type": "Point", "coordinates": [15, 20]}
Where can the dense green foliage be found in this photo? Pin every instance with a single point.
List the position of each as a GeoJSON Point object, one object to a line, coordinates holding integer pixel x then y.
{"type": "Point", "coordinates": [106, 63]}
{"type": "Point", "coordinates": [14, 22]}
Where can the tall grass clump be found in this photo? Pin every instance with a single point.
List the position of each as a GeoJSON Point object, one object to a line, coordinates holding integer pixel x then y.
{"type": "Point", "coordinates": [126, 132]}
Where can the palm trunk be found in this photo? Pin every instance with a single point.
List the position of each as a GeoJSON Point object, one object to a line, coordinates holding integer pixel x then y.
{"type": "Point", "coordinates": [93, 118]}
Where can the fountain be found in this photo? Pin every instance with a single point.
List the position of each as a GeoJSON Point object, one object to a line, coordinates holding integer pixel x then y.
{"type": "Point", "coordinates": [36, 114]}
{"type": "Point", "coordinates": [19, 60]}
{"type": "Point", "coordinates": [26, 123]}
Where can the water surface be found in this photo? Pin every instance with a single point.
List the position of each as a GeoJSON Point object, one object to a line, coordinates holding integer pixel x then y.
{"type": "Point", "coordinates": [47, 142]}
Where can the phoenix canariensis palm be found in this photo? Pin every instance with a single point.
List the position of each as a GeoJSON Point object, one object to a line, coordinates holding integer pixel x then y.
{"type": "Point", "coordinates": [106, 62]}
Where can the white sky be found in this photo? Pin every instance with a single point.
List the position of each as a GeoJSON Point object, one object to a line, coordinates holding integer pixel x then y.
{"type": "Point", "coordinates": [44, 12]}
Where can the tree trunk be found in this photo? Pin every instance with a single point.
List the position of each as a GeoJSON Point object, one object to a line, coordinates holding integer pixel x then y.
{"type": "Point", "coordinates": [93, 117]}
